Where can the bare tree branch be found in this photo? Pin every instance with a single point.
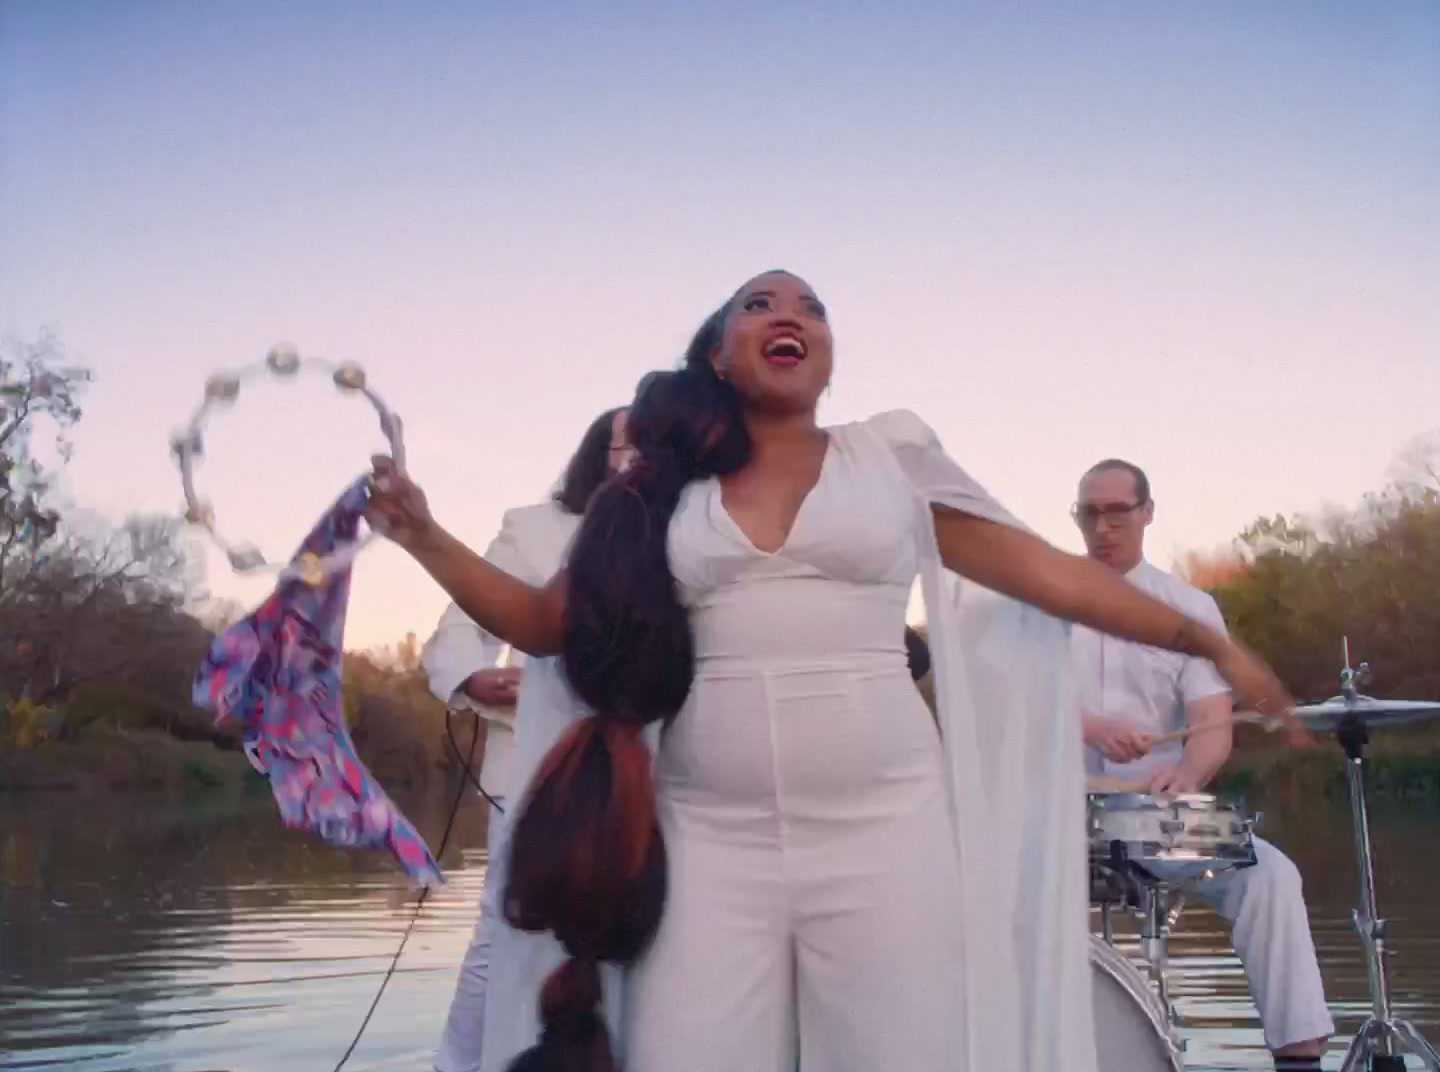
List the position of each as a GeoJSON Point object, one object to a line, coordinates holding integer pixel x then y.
{"type": "Point", "coordinates": [1416, 469]}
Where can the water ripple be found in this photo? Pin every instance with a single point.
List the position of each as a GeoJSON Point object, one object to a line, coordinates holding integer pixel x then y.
{"type": "Point", "coordinates": [157, 943]}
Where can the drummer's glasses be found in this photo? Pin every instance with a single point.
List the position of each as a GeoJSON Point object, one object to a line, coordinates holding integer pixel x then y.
{"type": "Point", "coordinates": [1088, 516]}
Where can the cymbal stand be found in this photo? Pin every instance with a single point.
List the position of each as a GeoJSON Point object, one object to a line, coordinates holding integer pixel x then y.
{"type": "Point", "coordinates": [1383, 1039]}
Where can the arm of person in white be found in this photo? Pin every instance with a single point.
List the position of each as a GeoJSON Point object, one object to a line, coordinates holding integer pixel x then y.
{"type": "Point", "coordinates": [1208, 709]}
{"type": "Point", "coordinates": [460, 649]}
{"type": "Point", "coordinates": [457, 650]}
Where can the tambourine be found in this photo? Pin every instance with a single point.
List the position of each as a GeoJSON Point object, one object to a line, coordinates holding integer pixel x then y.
{"type": "Point", "coordinates": [221, 390]}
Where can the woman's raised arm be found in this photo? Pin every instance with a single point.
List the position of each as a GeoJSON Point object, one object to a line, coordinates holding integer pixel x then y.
{"type": "Point", "coordinates": [529, 617]}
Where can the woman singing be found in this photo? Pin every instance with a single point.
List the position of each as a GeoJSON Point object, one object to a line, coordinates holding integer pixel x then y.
{"type": "Point", "coordinates": [811, 872]}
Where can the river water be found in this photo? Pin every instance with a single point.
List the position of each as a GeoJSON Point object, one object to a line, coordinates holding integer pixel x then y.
{"type": "Point", "coordinates": [137, 934]}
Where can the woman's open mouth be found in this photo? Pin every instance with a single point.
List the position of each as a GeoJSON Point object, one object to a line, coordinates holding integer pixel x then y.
{"type": "Point", "coordinates": [784, 351]}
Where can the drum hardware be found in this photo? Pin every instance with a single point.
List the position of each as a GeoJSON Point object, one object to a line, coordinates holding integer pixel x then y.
{"type": "Point", "coordinates": [1182, 836]}
{"type": "Point", "coordinates": [1144, 850]}
{"type": "Point", "coordinates": [1115, 883]}
{"type": "Point", "coordinates": [1130, 886]}
{"type": "Point", "coordinates": [1107, 922]}
{"type": "Point", "coordinates": [1382, 1039]}
{"type": "Point", "coordinates": [1155, 940]}
{"type": "Point", "coordinates": [1177, 906]}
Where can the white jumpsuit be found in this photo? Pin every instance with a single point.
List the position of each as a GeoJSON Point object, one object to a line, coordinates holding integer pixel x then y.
{"type": "Point", "coordinates": [802, 795]}
{"type": "Point", "coordinates": [840, 884]}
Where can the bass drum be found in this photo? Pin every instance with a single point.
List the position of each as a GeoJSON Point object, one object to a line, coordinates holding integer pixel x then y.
{"type": "Point", "coordinates": [1132, 1031]}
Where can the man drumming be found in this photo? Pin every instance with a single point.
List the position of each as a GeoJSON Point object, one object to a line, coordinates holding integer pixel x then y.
{"type": "Point", "coordinates": [1130, 695]}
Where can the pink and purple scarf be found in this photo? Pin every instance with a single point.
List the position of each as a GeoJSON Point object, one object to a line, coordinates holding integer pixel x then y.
{"type": "Point", "coordinates": [278, 673]}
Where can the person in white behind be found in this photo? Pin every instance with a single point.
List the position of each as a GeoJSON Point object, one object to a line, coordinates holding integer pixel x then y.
{"type": "Point", "coordinates": [1130, 695]}
{"type": "Point", "coordinates": [471, 669]}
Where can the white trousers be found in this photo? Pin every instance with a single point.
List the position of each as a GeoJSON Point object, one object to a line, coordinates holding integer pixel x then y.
{"type": "Point", "coordinates": [813, 897]}
{"type": "Point", "coordinates": [460, 1046]}
{"type": "Point", "coordinates": [1265, 907]}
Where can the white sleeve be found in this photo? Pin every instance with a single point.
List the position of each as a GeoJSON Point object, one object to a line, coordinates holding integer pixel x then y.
{"type": "Point", "coordinates": [1016, 772]}
{"type": "Point", "coordinates": [932, 472]}
{"type": "Point", "coordinates": [1198, 677]}
{"type": "Point", "coordinates": [459, 647]}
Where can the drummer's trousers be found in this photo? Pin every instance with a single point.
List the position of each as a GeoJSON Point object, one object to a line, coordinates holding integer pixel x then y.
{"type": "Point", "coordinates": [1265, 907]}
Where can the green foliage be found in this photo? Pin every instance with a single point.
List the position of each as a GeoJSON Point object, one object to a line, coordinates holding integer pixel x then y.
{"type": "Point", "coordinates": [99, 642]}
{"type": "Point", "coordinates": [198, 774]}
{"type": "Point", "coordinates": [1374, 577]}
{"type": "Point", "coordinates": [397, 724]}
{"type": "Point", "coordinates": [26, 724]}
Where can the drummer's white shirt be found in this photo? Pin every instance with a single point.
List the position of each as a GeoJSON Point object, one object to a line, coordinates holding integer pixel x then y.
{"type": "Point", "coordinates": [1147, 687]}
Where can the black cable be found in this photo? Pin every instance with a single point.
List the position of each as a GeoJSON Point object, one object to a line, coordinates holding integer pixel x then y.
{"type": "Point", "coordinates": [467, 765]}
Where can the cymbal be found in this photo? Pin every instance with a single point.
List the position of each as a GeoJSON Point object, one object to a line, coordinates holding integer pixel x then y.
{"type": "Point", "coordinates": [1373, 712]}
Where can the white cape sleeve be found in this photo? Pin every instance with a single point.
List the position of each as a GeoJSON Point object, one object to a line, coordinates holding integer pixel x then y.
{"type": "Point", "coordinates": [1017, 789]}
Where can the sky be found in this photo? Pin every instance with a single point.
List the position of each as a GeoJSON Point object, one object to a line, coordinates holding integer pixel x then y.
{"type": "Point", "coordinates": [1202, 236]}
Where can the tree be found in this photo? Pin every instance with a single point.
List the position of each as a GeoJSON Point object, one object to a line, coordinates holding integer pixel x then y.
{"type": "Point", "coordinates": [1416, 471]}
{"type": "Point", "coordinates": [36, 389]}
{"type": "Point", "coordinates": [1374, 576]}
{"type": "Point", "coordinates": [1212, 569]}
{"type": "Point", "coordinates": [403, 659]}
{"type": "Point", "coordinates": [108, 606]}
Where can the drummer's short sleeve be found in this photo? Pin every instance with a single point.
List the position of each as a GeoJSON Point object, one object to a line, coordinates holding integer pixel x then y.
{"type": "Point", "coordinates": [1199, 679]}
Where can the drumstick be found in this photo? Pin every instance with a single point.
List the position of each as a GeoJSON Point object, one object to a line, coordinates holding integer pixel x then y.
{"type": "Point", "coordinates": [1102, 783]}
{"type": "Point", "coordinates": [1270, 722]}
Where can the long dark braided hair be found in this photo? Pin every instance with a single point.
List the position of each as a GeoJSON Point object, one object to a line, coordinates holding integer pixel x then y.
{"type": "Point", "coordinates": [587, 861]}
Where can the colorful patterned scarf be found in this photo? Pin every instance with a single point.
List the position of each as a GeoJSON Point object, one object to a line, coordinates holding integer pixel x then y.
{"type": "Point", "coordinates": [278, 673]}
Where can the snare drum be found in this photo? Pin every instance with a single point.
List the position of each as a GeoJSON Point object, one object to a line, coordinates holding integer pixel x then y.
{"type": "Point", "coordinates": [1179, 837]}
{"type": "Point", "coordinates": [1132, 1030]}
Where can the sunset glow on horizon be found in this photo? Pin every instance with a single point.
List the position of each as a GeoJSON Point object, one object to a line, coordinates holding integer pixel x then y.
{"type": "Point", "coordinates": [1202, 237]}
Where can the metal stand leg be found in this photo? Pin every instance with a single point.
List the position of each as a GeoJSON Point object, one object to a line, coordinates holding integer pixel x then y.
{"type": "Point", "coordinates": [1382, 1039]}
{"type": "Point", "coordinates": [1155, 941]}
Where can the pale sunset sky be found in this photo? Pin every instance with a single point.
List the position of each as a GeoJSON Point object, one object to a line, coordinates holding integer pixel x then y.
{"type": "Point", "coordinates": [1201, 235]}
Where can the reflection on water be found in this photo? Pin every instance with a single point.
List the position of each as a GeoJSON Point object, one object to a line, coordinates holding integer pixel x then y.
{"type": "Point", "coordinates": [135, 935]}
{"type": "Point", "coordinates": [144, 936]}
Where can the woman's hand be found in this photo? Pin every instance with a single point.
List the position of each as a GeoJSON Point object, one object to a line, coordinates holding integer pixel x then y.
{"type": "Point", "coordinates": [530, 617]}
{"type": "Point", "coordinates": [397, 507]}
